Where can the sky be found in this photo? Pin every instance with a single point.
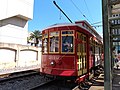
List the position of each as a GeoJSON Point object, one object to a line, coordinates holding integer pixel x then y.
{"type": "Point", "coordinates": [45, 13]}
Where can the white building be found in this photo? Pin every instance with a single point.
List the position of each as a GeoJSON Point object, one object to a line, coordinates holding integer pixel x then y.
{"type": "Point", "coordinates": [14, 16]}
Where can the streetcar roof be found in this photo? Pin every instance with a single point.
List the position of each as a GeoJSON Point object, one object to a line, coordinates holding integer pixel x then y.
{"type": "Point", "coordinates": [60, 25]}
{"type": "Point", "coordinates": [72, 24]}
{"type": "Point", "coordinates": [65, 24]}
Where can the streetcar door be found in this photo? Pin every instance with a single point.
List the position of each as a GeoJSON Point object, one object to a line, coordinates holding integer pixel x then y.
{"type": "Point", "coordinates": [81, 54]}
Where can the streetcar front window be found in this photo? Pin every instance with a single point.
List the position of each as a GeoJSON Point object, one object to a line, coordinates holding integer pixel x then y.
{"type": "Point", "coordinates": [54, 42]}
{"type": "Point", "coordinates": [67, 43]}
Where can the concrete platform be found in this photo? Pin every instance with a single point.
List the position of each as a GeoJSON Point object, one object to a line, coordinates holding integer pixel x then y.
{"type": "Point", "coordinates": [98, 84]}
{"type": "Point", "coordinates": [116, 79]}
{"type": "Point", "coordinates": [96, 88]}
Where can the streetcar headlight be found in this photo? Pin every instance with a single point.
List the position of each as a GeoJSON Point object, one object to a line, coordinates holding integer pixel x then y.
{"type": "Point", "coordinates": [52, 63]}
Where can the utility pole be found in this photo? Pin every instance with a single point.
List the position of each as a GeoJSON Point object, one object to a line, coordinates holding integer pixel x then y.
{"type": "Point", "coordinates": [107, 50]}
{"type": "Point", "coordinates": [110, 24]}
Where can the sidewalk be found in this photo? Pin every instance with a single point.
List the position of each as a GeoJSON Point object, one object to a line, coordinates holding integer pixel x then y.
{"type": "Point", "coordinates": [98, 84]}
{"type": "Point", "coordinates": [116, 79]}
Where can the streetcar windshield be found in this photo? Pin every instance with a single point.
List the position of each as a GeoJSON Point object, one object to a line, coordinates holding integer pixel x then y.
{"type": "Point", "coordinates": [54, 42]}
{"type": "Point", "coordinates": [67, 41]}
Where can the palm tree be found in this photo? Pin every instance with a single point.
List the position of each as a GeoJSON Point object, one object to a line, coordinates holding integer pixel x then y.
{"type": "Point", "coordinates": [36, 35]}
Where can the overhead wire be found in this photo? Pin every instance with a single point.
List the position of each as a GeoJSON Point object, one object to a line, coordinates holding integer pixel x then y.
{"type": "Point", "coordinates": [60, 16]}
{"type": "Point", "coordinates": [62, 11]}
{"type": "Point", "coordinates": [88, 10]}
{"type": "Point", "coordinates": [80, 11]}
{"type": "Point", "coordinates": [92, 18]}
{"type": "Point", "coordinates": [96, 22]}
{"type": "Point", "coordinates": [97, 26]}
{"type": "Point", "coordinates": [83, 15]}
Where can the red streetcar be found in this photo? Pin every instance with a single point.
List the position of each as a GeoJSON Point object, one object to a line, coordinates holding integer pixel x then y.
{"type": "Point", "coordinates": [70, 50]}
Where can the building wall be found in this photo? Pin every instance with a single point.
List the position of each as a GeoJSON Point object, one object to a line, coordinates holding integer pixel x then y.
{"type": "Point", "coordinates": [14, 16]}
{"type": "Point", "coordinates": [16, 58]}
{"type": "Point", "coordinates": [116, 31]}
{"type": "Point", "coordinates": [14, 30]}
{"type": "Point", "coordinates": [22, 8]}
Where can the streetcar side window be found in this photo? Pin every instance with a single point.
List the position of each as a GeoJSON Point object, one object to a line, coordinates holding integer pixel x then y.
{"type": "Point", "coordinates": [45, 43]}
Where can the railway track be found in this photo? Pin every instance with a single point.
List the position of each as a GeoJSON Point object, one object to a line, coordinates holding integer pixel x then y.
{"type": "Point", "coordinates": [56, 85]}
{"type": "Point", "coordinates": [23, 81]}
{"type": "Point", "coordinates": [64, 85]}
{"type": "Point", "coordinates": [16, 75]}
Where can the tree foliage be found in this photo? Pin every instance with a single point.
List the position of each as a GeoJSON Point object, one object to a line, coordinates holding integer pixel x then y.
{"type": "Point", "coordinates": [36, 35]}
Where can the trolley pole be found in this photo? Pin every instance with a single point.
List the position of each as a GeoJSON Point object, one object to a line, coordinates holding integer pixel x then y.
{"type": "Point", "coordinates": [62, 11]}
{"type": "Point", "coordinates": [107, 46]}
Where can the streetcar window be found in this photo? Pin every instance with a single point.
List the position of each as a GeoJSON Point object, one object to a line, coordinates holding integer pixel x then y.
{"type": "Point", "coordinates": [45, 36]}
{"type": "Point", "coordinates": [54, 33]}
{"type": "Point", "coordinates": [54, 42]}
{"type": "Point", "coordinates": [84, 47]}
{"type": "Point", "coordinates": [45, 43]}
{"type": "Point", "coordinates": [67, 32]}
{"type": "Point", "coordinates": [67, 43]}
